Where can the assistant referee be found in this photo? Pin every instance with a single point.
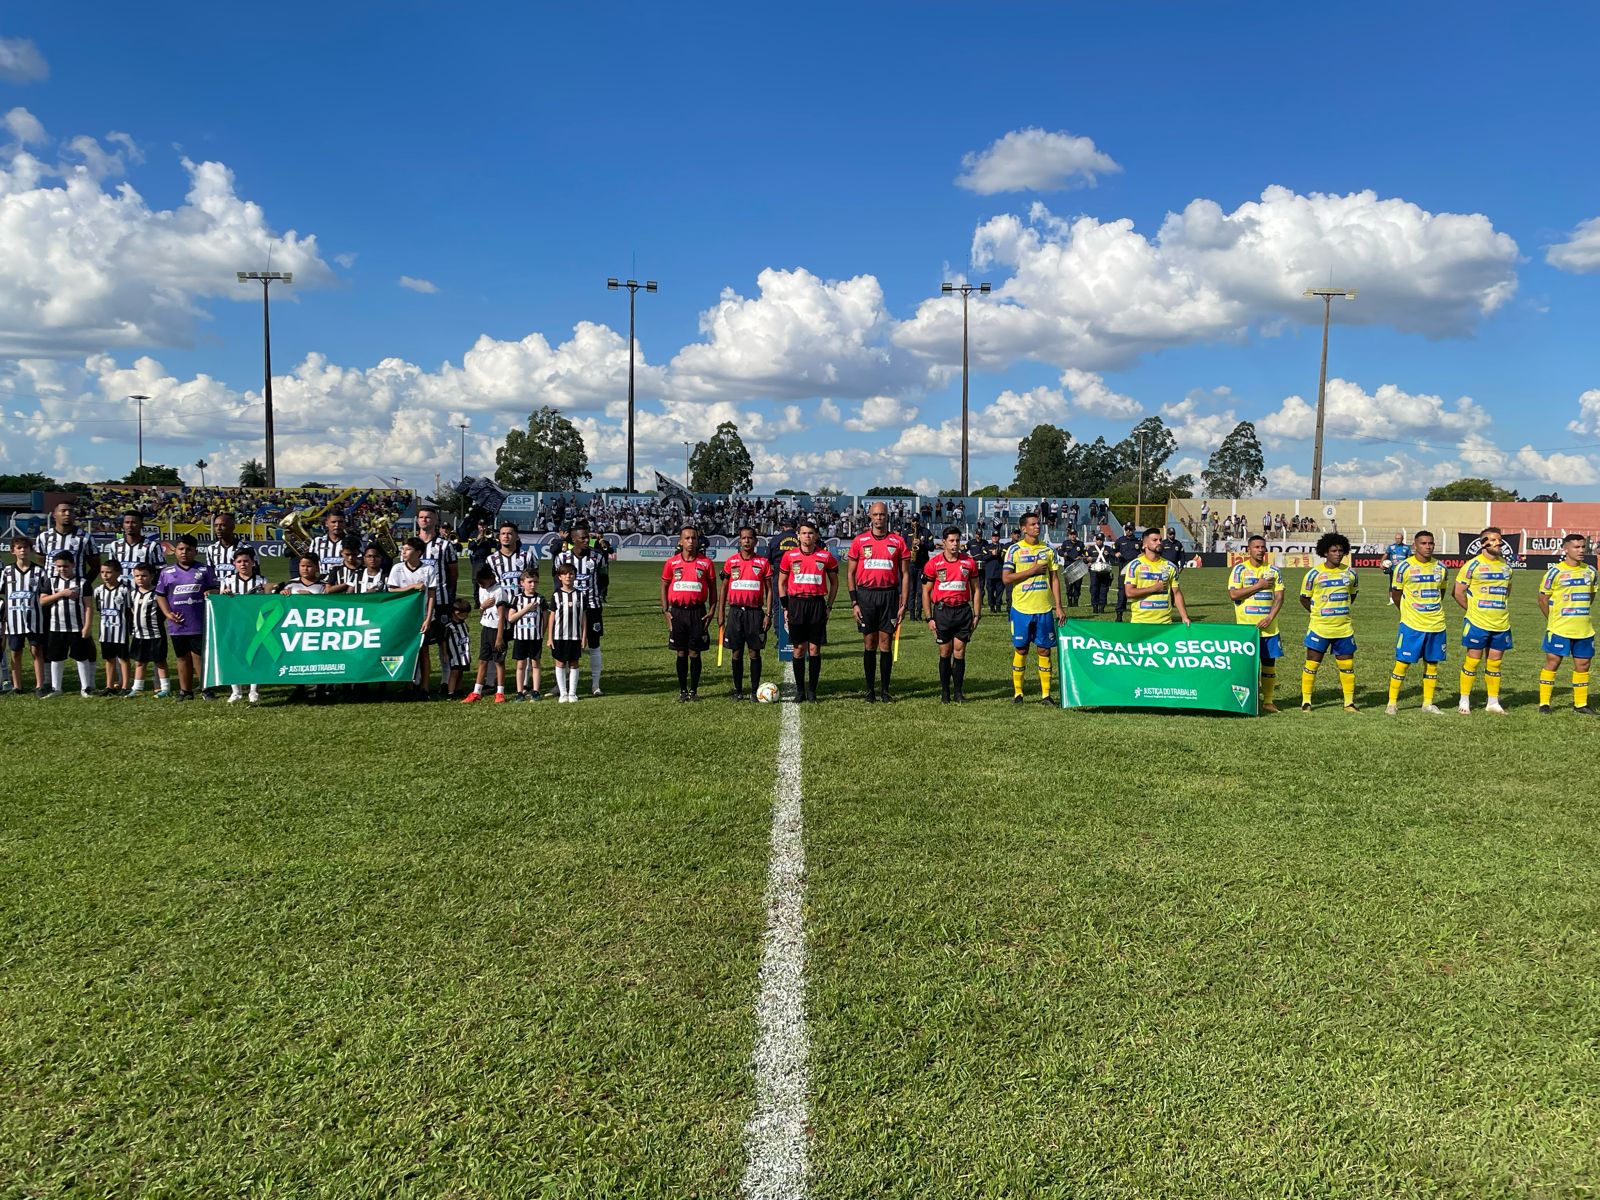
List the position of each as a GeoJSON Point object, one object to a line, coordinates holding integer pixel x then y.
{"type": "Point", "coordinates": [877, 578]}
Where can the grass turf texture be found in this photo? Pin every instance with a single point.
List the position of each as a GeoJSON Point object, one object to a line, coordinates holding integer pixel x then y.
{"type": "Point", "coordinates": [410, 950]}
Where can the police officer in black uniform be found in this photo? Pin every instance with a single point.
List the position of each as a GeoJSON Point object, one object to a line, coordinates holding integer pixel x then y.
{"type": "Point", "coordinates": [1099, 553]}
{"type": "Point", "coordinates": [1127, 549]}
{"type": "Point", "coordinates": [1069, 552]}
{"type": "Point", "coordinates": [994, 565]}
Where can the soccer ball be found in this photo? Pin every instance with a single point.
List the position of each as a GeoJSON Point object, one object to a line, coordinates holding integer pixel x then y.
{"type": "Point", "coordinates": [767, 693]}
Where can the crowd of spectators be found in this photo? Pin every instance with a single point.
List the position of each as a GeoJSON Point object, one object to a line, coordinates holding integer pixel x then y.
{"type": "Point", "coordinates": [197, 505]}
{"type": "Point", "coordinates": [1215, 528]}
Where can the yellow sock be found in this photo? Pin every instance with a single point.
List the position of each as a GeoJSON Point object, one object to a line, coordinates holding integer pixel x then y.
{"type": "Point", "coordinates": [1397, 679]}
{"type": "Point", "coordinates": [1044, 676]}
{"type": "Point", "coordinates": [1017, 660]}
{"type": "Point", "coordinates": [1469, 676]}
{"type": "Point", "coordinates": [1580, 689]}
{"type": "Point", "coordinates": [1547, 686]}
{"type": "Point", "coordinates": [1269, 682]}
{"type": "Point", "coordinates": [1430, 681]}
{"type": "Point", "coordinates": [1347, 680]}
{"type": "Point", "coordinates": [1308, 680]}
{"type": "Point", "coordinates": [1491, 680]}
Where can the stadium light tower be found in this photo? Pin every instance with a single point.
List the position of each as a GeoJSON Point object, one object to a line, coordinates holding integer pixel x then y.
{"type": "Point", "coordinates": [633, 286]}
{"type": "Point", "coordinates": [966, 289]}
{"type": "Point", "coordinates": [462, 425]}
{"type": "Point", "coordinates": [139, 400]}
{"type": "Point", "coordinates": [266, 279]}
{"type": "Point", "coordinates": [1327, 296]}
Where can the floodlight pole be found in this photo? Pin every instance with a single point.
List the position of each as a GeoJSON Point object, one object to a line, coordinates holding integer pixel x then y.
{"type": "Point", "coordinates": [139, 400]}
{"type": "Point", "coordinates": [267, 279]}
{"type": "Point", "coordinates": [966, 289]}
{"type": "Point", "coordinates": [1326, 295]}
{"type": "Point", "coordinates": [633, 286]}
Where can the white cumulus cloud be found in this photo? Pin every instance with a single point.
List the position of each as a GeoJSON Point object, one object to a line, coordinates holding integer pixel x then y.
{"type": "Point", "coordinates": [26, 128]}
{"type": "Point", "coordinates": [21, 62]}
{"type": "Point", "coordinates": [881, 412]}
{"type": "Point", "coordinates": [1580, 253]}
{"type": "Point", "coordinates": [1387, 412]}
{"type": "Point", "coordinates": [426, 287]}
{"type": "Point", "coordinates": [1588, 420]}
{"type": "Point", "coordinates": [1034, 160]}
{"type": "Point", "coordinates": [1091, 395]}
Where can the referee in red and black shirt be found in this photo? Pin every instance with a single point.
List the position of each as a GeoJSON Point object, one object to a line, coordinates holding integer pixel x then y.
{"type": "Point", "coordinates": [808, 582]}
{"type": "Point", "coordinates": [688, 592]}
{"type": "Point", "coordinates": [877, 575]}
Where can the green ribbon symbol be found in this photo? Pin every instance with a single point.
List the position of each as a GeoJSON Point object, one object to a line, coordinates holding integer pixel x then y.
{"type": "Point", "coordinates": [267, 617]}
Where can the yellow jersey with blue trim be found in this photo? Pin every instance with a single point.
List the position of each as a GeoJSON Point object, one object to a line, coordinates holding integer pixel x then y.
{"type": "Point", "coordinates": [1488, 582]}
{"type": "Point", "coordinates": [1332, 592]}
{"type": "Point", "coordinates": [1571, 592]}
{"type": "Point", "coordinates": [1031, 595]}
{"type": "Point", "coordinates": [1142, 572]}
{"type": "Point", "coordinates": [1421, 588]}
{"type": "Point", "coordinates": [1251, 609]}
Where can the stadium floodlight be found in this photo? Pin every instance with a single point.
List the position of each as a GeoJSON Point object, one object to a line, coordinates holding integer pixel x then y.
{"type": "Point", "coordinates": [139, 400]}
{"type": "Point", "coordinates": [266, 279]}
{"type": "Point", "coordinates": [965, 290]}
{"type": "Point", "coordinates": [634, 287]}
{"type": "Point", "coordinates": [1327, 295]}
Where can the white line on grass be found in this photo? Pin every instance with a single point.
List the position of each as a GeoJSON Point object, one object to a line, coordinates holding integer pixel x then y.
{"type": "Point", "coordinates": [775, 1138]}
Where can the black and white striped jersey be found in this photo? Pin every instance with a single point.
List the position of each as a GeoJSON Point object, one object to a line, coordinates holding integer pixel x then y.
{"type": "Point", "coordinates": [457, 644]}
{"type": "Point", "coordinates": [219, 557]}
{"type": "Point", "coordinates": [348, 578]}
{"type": "Point", "coordinates": [22, 586]}
{"type": "Point", "coordinates": [508, 568]}
{"type": "Point", "coordinates": [330, 553]}
{"type": "Point", "coordinates": [66, 614]}
{"type": "Point", "coordinates": [441, 551]}
{"type": "Point", "coordinates": [147, 622]}
{"type": "Point", "coordinates": [237, 585]}
{"type": "Point", "coordinates": [530, 626]}
{"type": "Point", "coordinates": [370, 581]}
{"type": "Point", "coordinates": [587, 580]}
{"type": "Point", "coordinates": [568, 610]}
{"type": "Point", "coordinates": [130, 554]}
{"type": "Point", "coordinates": [115, 606]}
{"type": "Point", "coordinates": [78, 543]}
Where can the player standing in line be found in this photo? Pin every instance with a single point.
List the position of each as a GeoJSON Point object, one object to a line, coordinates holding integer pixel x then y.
{"type": "Point", "coordinates": [131, 549]}
{"type": "Point", "coordinates": [1417, 586]}
{"type": "Point", "coordinates": [566, 627]}
{"type": "Point", "coordinates": [949, 589]}
{"type": "Point", "coordinates": [877, 576]}
{"type": "Point", "coordinates": [1566, 598]}
{"type": "Point", "coordinates": [1151, 583]}
{"type": "Point", "coordinates": [244, 579]}
{"type": "Point", "coordinates": [508, 558]}
{"type": "Point", "coordinates": [440, 553]}
{"type": "Point", "coordinates": [148, 645]}
{"type": "Point", "coordinates": [1256, 589]}
{"type": "Point", "coordinates": [1327, 593]}
{"type": "Point", "coordinates": [1393, 555]}
{"type": "Point", "coordinates": [64, 533]}
{"type": "Point", "coordinates": [744, 611]}
{"type": "Point", "coordinates": [113, 600]}
{"type": "Point", "coordinates": [22, 583]}
{"type": "Point", "coordinates": [416, 573]}
{"type": "Point", "coordinates": [808, 582]}
{"type": "Point", "coordinates": [492, 601]}
{"type": "Point", "coordinates": [584, 560]}
{"type": "Point", "coordinates": [688, 588]}
{"type": "Point", "coordinates": [1483, 588]}
{"type": "Point", "coordinates": [65, 601]}
{"type": "Point", "coordinates": [1030, 573]}
{"type": "Point", "coordinates": [525, 617]}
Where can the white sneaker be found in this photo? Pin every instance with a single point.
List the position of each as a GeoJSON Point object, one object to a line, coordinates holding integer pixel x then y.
{"type": "Point", "coordinates": [593, 692]}
{"type": "Point", "coordinates": [1494, 707]}
{"type": "Point", "coordinates": [1431, 709]}
{"type": "Point", "coordinates": [254, 695]}
{"type": "Point", "coordinates": [1464, 708]}
{"type": "Point", "coordinates": [234, 698]}
{"type": "Point", "coordinates": [1391, 710]}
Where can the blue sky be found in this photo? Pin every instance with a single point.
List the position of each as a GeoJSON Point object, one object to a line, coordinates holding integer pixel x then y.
{"type": "Point", "coordinates": [792, 182]}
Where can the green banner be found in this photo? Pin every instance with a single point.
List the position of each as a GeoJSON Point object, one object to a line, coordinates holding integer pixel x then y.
{"type": "Point", "coordinates": [1105, 665]}
{"type": "Point", "coordinates": [313, 639]}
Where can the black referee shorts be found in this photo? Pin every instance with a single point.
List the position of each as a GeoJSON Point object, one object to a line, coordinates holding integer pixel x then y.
{"type": "Point", "coordinates": [743, 630]}
{"type": "Point", "coordinates": [687, 629]}
{"type": "Point", "coordinates": [952, 623]}
{"type": "Point", "coordinates": [807, 619]}
{"type": "Point", "coordinates": [880, 609]}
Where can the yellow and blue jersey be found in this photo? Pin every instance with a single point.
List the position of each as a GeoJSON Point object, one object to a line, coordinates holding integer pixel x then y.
{"type": "Point", "coordinates": [1332, 592]}
{"type": "Point", "coordinates": [1251, 609]}
{"type": "Point", "coordinates": [1571, 593]}
{"type": "Point", "coordinates": [1421, 588]}
{"type": "Point", "coordinates": [1142, 572]}
{"type": "Point", "coordinates": [1488, 582]}
{"type": "Point", "coordinates": [1031, 595]}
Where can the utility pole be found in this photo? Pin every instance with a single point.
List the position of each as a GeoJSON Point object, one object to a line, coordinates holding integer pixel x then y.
{"type": "Point", "coordinates": [1138, 495]}
{"type": "Point", "coordinates": [966, 290]}
{"type": "Point", "coordinates": [139, 400]}
{"type": "Point", "coordinates": [462, 425]}
{"type": "Point", "coordinates": [1326, 295]}
{"type": "Point", "coordinates": [688, 453]}
{"type": "Point", "coordinates": [633, 286]}
{"type": "Point", "coordinates": [266, 279]}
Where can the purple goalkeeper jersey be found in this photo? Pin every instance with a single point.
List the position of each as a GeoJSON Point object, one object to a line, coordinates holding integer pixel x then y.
{"type": "Point", "coordinates": [185, 589]}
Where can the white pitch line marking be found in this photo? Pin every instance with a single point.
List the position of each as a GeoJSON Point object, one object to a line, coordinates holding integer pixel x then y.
{"type": "Point", "coordinates": [775, 1137]}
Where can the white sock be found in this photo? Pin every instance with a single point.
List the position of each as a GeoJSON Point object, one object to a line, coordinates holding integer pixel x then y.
{"type": "Point", "coordinates": [58, 672]}
{"type": "Point", "coordinates": [477, 689]}
{"type": "Point", "coordinates": [594, 669]}
{"type": "Point", "coordinates": [85, 676]}
{"type": "Point", "coordinates": [138, 685]}
{"type": "Point", "coordinates": [234, 692]}
{"type": "Point", "coordinates": [500, 690]}
{"type": "Point", "coordinates": [572, 682]}
{"type": "Point", "coordinates": [561, 682]}
{"type": "Point", "coordinates": [255, 691]}
{"type": "Point", "coordinates": [161, 678]}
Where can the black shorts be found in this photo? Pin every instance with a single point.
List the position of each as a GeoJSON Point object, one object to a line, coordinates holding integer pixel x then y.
{"type": "Point", "coordinates": [188, 643]}
{"type": "Point", "coordinates": [687, 628]}
{"type": "Point", "coordinates": [743, 630]}
{"type": "Point", "coordinates": [595, 623]}
{"type": "Point", "coordinates": [952, 623]}
{"type": "Point", "coordinates": [148, 650]}
{"type": "Point", "coordinates": [523, 649]}
{"type": "Point", "coordinates": [436, 627]}
{"type": "Point", "coordinates": [18, 640]}
{"type": "Point", "coordinates": [59, 645]}
{"type": "Point", "coordinates": [807, 618]}
{"type": "Point", "coordinates": [565, 650]}
{"type": "Point", "coordinates": [113, 649]}
{"type": "Point", "coordinates": [880, 609]}
{"type": "Point", "coordinates": [486, 650]}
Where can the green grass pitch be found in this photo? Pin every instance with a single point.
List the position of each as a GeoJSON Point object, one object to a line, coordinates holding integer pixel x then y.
{"type": "Point", "coordinates": [428, 950]}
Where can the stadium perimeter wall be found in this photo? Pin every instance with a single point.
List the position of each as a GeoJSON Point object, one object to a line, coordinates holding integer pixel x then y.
{"type": "Point", "coordinates": [1380, 520]}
